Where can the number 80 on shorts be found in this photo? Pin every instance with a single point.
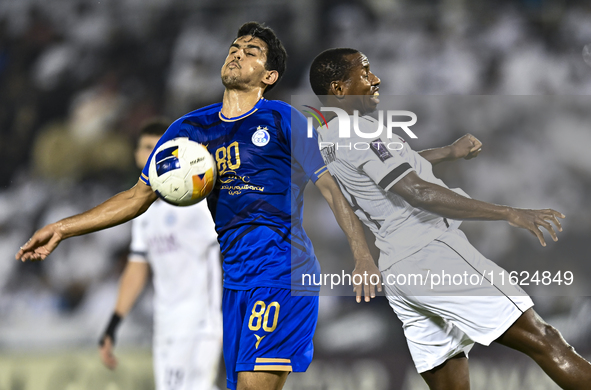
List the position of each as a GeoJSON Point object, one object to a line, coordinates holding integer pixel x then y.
{"type": "Point", "coordinates": [260, 316]}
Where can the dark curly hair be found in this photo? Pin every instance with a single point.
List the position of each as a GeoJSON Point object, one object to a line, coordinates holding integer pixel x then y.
{"type": "Point", "coordinates": [276, 54]}
{"type": "Point", "coordinates": [329, 66]}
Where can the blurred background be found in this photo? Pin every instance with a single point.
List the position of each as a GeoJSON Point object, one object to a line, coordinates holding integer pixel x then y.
{"type": "Point", "coordinates": [77, 78]}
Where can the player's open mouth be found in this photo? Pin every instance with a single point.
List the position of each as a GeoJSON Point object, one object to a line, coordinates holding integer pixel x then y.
{"type": "Point", "coordinates": [375, 97]}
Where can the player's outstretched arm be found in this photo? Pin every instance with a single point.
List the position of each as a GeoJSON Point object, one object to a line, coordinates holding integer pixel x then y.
{"type": "Point", "coordinates": [442, 201]}
{"type": "Point", "coordinates": [466, 147]}
{"type": "Point", "coordinates": [353, 229]}
{"type": "Point", "coordinates": [120, 208]}
{"type": "Point", "coordinates": [132, 283]}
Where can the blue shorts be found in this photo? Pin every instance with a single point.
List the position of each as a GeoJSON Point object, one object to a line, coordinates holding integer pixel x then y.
{"type": "Point", "coordinates": [267, 329]}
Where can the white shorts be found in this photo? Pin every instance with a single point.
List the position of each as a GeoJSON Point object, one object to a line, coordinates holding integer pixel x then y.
{"type": "Point", "coordinates": [186, 363]}
{"type": "Point", "coordinates": [443, 316]}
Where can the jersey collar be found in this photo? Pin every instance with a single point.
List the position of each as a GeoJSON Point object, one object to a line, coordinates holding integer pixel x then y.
{"type": "Point", "coordinates": [237, 118]}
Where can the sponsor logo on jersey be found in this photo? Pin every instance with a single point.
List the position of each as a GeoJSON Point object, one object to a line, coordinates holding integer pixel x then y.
{"type": "Point", "coordinates": [259, 339]}
{"type": "Point", "coordinates": [261, 137]}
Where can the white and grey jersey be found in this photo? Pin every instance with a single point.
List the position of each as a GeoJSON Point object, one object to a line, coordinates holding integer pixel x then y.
{"type": "Point", "coordinates": [366, 169]}
{"type": "Point", "coordinates": [180, 244]}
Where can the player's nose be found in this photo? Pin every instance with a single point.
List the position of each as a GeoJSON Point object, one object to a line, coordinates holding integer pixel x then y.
{"type": "Point", "coordinates": [375, 80]}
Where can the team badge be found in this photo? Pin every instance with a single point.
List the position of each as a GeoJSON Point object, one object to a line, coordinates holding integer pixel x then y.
{"type": "Point", "coordinates": [379, 148]}
{"type": "Point", "coordinates": [261, 137]}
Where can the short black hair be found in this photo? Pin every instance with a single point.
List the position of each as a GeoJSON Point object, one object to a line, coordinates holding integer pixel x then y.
{"type": "Point", "coordinates": [154, 126]}
{"type": "Point", "coordinates": [276, 54]}
{"type": "Point", "coordinates": [329, 66]}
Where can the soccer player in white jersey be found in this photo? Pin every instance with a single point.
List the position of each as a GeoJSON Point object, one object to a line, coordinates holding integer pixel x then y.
{"type": "Point", "coordinates": [413, 216]}
{"type": "Point", "coordinates": [179, 245]}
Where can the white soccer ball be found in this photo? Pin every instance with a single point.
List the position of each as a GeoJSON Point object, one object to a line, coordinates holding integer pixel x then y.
{"type": "Point", "coordinates": [182, 172]}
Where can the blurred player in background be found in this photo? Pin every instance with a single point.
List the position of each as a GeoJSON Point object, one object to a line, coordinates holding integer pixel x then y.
{"type": "Point", "coordinates": [179, 245]}
{"type": "Point", "coordinates": [397, 196]}
{"type": "Point", "coordinates": [264, 160]}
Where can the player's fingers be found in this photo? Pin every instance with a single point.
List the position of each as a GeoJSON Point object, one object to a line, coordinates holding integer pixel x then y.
{"type": "Point", "coordinates": [104, 355]}
{"type": "Point", "coordinates": [475, 142]}
{"type": "Point", "coordinates": [548, 227]}
{"type": "Point", "coordinates": [471, 155]}
{"type": "Point", "coordinates": [554, 217]}
{"type": "Point", "coordinates": [24, 249]}
{"type": "Point", "coordinates": [538, 233]}
{"type": "Point", "coordinates": [32, 241]}
{"type": "Point", "coordinates": [554, 220]}
{"type": "Point", "coordinates": [26, 257]}
{"type": "Point", "coordinates": [372, 290]}
{"type": "Point", "coordinates": [558, 214]}
{"type": "Point", "coordinates": [357, 289]}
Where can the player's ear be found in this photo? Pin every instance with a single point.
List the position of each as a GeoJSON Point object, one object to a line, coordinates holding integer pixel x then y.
{"type": "Point", "coordinates": [338, 89]}
{"type": "Point", "coordinates": [271, 77]}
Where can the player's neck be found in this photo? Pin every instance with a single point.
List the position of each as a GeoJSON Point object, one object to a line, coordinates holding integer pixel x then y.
{"type": "Point", "coordinates": [236, 102]}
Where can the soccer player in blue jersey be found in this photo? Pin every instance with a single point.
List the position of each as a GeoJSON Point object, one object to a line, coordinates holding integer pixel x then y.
{"type": "Point", "coordinates": [264, 161]}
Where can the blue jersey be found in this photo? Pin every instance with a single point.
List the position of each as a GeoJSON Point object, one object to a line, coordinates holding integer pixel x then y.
{"type": "Point", "coordinates": [264, 160]}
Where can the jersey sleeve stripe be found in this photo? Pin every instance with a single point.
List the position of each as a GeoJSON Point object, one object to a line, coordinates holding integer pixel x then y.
{"type": "Point", "coordinates": [319, 170]}
{"type": "Point", "coordinates": [272, 368]}
{"type": "Point", "coordinates": [137, 257]}
{"type": "Point", "coordinates": [138, 253]}
{"type": "Point", "coordinates": [322, 174]}
{"type": "Point", "coordinates": [144, 178]}
{"type": "Point", "coordinates": [395, 174]}
{"type": "Point", "coordinates": [272, 360]}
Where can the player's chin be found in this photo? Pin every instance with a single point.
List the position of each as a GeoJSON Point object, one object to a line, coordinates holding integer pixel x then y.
{"type": "Point", "coordinates": [370, 106]}
{"type": "Point", "coordinates": [232, 82]}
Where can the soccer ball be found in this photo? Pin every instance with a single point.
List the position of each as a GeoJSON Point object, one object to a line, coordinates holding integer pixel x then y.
{"type": "Point", "coordinates": [182, 172]}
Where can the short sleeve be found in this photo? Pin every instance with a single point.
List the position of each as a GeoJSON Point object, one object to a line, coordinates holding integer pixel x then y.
{"type": "Point", "coordinates": [138, 250]}
{"type": "Point", "coordinates": [174, 131]}
{"type": "Point", "coordinates": [385, 167]}
{"type": "Point", "coordinates": [304, 149]}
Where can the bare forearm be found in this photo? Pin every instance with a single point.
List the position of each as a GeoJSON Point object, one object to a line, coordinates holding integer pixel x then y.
{"type": "Point", "coordinates": [352, 228]}
{"type": "Point", "coordinates": [448, 204]}
{"type": "Point", "coordinates": [346, 218]}
{"type": "Point", "coordinates": [131, 285]}
{"type": "Point", "coordinates": [119, 209]}
{"type": "Point", "coordinates": [438, 155]}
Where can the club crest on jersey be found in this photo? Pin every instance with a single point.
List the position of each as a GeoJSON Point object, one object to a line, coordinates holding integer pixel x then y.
{"type": "Point", "coordinates": [261, 137]}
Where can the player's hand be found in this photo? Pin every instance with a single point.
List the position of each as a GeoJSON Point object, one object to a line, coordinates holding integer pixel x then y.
{"type": "Point", "coordinates": [533, 219]}
{"type": "Point", "coordinates": [366, 279]}
{"type": "Point", "coordinates": [106, 353]}
{"type": "Point", "coordinates": [466, 147]}
{"type": "Point", "coordinates": [43, 242]}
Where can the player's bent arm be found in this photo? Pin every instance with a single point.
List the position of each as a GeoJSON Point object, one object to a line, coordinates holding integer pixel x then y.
{"type": "Point", "coordinates": [345, 217]}
{"type": "Point", "coordinates": [466, 147]}
{"type": "Point", "coordinates": [353, 229]}
{"type": "Point", "coordinates": [118, 209]}
{"type": "Point", "coordinates": [437, 155]}
{"type": "Point", "coordinates": [446, 203]}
